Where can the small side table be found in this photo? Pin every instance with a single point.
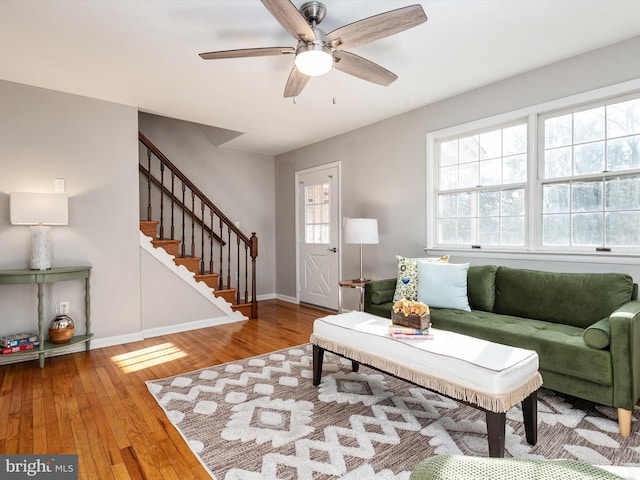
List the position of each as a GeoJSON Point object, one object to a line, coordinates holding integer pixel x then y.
{"type": "Point", "coordinates": [352, 284]}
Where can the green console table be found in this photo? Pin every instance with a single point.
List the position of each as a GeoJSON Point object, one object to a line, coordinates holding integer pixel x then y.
{"type": "Point", "coordinates": [40, 277]}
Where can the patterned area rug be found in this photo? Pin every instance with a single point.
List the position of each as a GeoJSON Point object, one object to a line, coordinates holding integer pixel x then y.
{"type": "Point", "coordinates": [262, 418]}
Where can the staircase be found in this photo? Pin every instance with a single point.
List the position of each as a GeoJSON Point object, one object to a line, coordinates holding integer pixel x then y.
{"type": "Point", "coordinates": [173, 199]}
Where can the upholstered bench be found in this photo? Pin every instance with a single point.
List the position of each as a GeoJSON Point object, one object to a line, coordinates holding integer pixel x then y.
{"type": "Point", "coordinates": [486, 375]}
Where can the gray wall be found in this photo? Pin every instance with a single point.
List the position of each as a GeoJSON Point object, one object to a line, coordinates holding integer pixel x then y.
{"type": "Point", "coordinates": [383, 165]}
{"type": "Point", "coordinates": [241, 184]}
{"type": "Point", "coordinates": [93, 145]}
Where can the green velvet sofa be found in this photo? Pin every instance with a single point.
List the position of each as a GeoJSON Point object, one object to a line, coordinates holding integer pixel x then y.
{"type": "Point", "coordinates": [585, 327]}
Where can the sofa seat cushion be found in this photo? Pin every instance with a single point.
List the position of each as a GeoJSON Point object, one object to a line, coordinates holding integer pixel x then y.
{"type": "Point", "coordinates": [561, 348]}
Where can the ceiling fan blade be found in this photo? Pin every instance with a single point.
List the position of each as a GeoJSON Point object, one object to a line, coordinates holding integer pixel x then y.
{"type": "Point", "coordinates": [291, 19]}
{"type": "Point", "coordinates": [248, 52]}
{"type": "Point", "coordinates": [362, 68]}
{"type": "Point", "coordinates": [296, 82]}
{"type": "Point", "coordinates": [376, 27]}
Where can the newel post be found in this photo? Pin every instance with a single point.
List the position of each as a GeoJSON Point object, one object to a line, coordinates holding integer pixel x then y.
{"type": "Point", "coordinates": [254, 295]}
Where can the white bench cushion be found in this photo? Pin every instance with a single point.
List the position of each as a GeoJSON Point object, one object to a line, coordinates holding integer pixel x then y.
{"type": "Point", "coordinates": [474, 364]}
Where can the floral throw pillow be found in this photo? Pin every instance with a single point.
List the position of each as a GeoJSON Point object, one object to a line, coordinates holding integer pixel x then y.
{"type": "Point", "coordinates": [407, 284]}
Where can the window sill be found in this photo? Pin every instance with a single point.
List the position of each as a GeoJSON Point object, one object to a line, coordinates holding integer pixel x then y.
{"type": "Point", "coordinates": [542, 256]}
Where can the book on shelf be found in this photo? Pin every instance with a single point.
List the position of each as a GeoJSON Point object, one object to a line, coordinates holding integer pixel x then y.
{"type": "Point", "coordinates": [20, 348]}
{"type": "Point", "coordinates": [24, 338]}
{"type": "Point", "coordinates": [407, 330]}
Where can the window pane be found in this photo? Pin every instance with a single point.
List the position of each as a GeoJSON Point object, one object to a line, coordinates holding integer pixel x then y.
{"type": "Point", "coordinates": [491, 172]}
{"type": "Point", "coordinates": [558, 131]}
{"type": "Point", "coordinates": [623, 118]}
{"type": "Point", "coordinates": [589, 158]}
{"type": "Point", "coordinates": [512, 202]}
{"type": "Point", "coordinates": [489, 204]}
{"type": "Point", "coordinates": [557, 163]}
{"type": "Point", "coordinates": [465, 227]}
{"type": "Point", "coordinates": [588, 125]}
{"type": "Point", "coordinates": [469, 175]}
{"type": "Point", "coordinates": [587, 229]}
{"type": "Point", "coordinates": [555, 230]}
{"type": "Point", "coordinates": [469, 149]}
{"type": "Point", "coordinates": [514, 140]}
{"type": "Point", "coordinates": [622, 228]}
{"type": "Point", "coordinates": [512, 231]}
{"type": "Point", "coordinates": [489, 231]}
{"type": "Point", "coordinates": [586, 196]}
{"type": "Point", "coordinates": [317, 218]}
{"type": "Point", "coordinates": [515, 169]}
{"type": "Point", "coordinates": [623, 153]}
{"type": "Point", "coordinates": [447, 206]}
{"type": "Point", "coordinates": [555, 198]}
{"type": "Point", "coordinates": [448, 178]}
{"type": "Point", "coordinates": [464, 205]}
{"type": "Point", "coordinates": [491, 144]}
{"type": "Point", "coordinates": [623, 193]}
{"type": "Point", "coordinates": [449, 153]}
{"type": "Point", "coordinates": [447, 231]}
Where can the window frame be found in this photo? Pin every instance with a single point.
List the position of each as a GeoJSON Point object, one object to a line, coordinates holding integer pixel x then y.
{"type": "Point", "coordinates": [534, 116]}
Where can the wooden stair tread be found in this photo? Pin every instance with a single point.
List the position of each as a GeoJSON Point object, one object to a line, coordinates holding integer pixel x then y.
{"type": "Point", "coordinates": [149, 228]}
{"type": "Point", "coordinates": [210, 279]}
{"type": "Point", "coordinates": [191, 263]}
{"type": "Point", "coordinates": [171, 246]}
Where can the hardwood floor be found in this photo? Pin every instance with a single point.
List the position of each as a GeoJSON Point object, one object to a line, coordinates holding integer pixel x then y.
{"type": "Point", "coordinates": [97, 405]}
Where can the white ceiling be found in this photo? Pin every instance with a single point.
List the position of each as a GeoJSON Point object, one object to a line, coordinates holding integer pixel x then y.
{"type": "Point", "coordinates": [145, 53]}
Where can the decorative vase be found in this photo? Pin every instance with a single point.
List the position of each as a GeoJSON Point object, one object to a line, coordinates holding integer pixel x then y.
{"type": "Point", "coordinates": [61, 329]}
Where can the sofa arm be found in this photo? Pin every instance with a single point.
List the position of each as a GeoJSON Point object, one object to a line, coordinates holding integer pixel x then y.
{"type": "Point", "coordinates": [380, 289]}
{"type": "Point", "coordinates": [625, 354]}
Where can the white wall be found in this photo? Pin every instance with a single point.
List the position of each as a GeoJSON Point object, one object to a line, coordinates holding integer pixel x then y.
{"type": "Point", "coordinates": [383, 165]}
{"type": "Point", "coordinates": [93, 145]}
{"type": "Point", "coordinates": [241, 184]}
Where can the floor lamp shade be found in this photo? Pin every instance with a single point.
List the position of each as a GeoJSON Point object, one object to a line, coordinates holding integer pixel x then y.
{"type": "Point", "coordinates": [39, 210]}
{"type": "Point", "coordinates": [360, 231]}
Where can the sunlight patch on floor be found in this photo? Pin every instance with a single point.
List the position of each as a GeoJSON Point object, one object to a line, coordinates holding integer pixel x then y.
{"type": "Point", "coordinates": [147, 357]}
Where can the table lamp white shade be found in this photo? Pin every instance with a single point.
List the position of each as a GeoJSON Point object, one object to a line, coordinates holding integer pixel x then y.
{"type": "Point", "coordinates": [362, 231]}
{"type": "Point", "coordinates": [39, 210]}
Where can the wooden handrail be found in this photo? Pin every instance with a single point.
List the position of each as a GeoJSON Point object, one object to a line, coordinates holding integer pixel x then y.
{"type": "Point", "coordinates": [147, 143]}
{"type": "Point", "coordinates": [189, 220]}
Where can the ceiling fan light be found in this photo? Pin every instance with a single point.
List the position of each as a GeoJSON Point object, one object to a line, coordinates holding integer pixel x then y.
{"type": "Point", "coordinates": [314, 60]}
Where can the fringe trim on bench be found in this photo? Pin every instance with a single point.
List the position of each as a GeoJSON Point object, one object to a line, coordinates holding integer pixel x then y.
{"type": "Point", "coordinates": [494, 403]}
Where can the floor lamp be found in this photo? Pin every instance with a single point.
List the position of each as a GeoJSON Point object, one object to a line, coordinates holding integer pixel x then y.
{"type": "Point", "coordinates": [39, 210]}
{"type": "Point", "coordinates": [362, 231]}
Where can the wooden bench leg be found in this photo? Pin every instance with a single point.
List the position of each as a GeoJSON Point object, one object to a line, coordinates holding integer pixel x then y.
{"type": "Point", "coordinates": [318, 356]}
{"type": "Point", "coordinates": [530, 414]}
{"type": "Point", "coordinates": [355, 366]}
{"type": "Point", "coordinates": [495, 431]}
{"type": "Point", "coordinates": [624, 422]}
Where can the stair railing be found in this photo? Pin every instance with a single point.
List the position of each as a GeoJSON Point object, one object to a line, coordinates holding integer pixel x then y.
{"type": "Point", "coordinates": [204, 230]}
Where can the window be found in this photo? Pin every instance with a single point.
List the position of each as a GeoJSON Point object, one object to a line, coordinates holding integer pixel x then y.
{"type": "Point", "coordinates": [590, 181]}
{"type": "Point", "coordinates": [560, 177]}
{"type": "Point", "coordinates": [481, 188]}
{"type": "Point", "coordinates": [316, 217]}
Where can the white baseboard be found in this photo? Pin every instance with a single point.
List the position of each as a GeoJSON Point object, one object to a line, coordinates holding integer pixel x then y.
{"type": "Point", "coordinates": [286, 298]}
{"type": "Point", "coordinates": [185, 327]}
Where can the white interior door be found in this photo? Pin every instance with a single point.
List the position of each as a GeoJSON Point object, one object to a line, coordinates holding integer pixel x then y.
{"type": "Point", "coordinates": [318, 235]}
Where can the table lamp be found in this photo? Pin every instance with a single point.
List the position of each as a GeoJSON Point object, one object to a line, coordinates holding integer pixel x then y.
{"type": "Point", "coordinates": [362, 231]}
{"type": "Point", "coordinates": [39, 210]}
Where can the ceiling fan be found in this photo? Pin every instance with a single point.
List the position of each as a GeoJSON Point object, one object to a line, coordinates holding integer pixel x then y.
{"type": "Point", "coordinates": [317, 52]}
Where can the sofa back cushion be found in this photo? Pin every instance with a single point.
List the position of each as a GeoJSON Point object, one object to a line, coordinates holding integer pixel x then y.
{"type": "Point", "coordinates": [481, 287]}
{"type": "Point", "coordinates": [577, 299]}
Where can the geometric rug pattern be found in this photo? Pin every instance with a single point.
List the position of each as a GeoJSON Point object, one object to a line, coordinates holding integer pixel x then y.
{"type": "Point", "coordinates": [262, 418]}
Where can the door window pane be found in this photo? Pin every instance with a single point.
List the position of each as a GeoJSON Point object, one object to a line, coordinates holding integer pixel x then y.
{"type": "Point", "coordinates": [317, 219]}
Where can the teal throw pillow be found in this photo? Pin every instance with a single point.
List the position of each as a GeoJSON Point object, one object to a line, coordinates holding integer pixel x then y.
{"type": "Point", "coordinates": [407, 284]}
{"type": "Point", "coordinates": [443, 285]}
